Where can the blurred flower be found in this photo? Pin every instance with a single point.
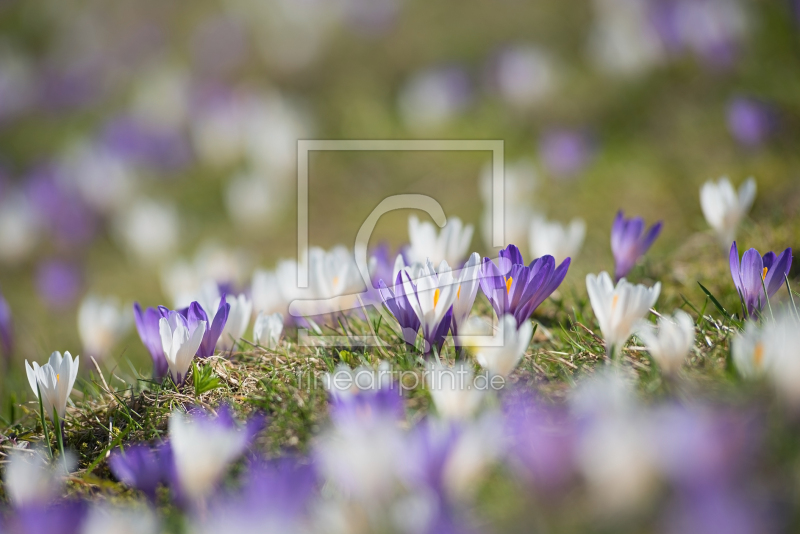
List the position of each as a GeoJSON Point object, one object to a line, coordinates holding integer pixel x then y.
{"type": "Point", "coordinates": [513, 288]}
{"type": "Point", "coordinates": [334, 272]}
{"type": "Point", "coordinates": [58, 283]}
{"type": "Point", "coordinates": [147, 325]}
{"type": "Point", "coordinates": [433, 97]}
{"type": "Point", "coordinates": [450, 245]}
{"type": "Point", "coordinates": [146, 144]}
{"type": "Point", "coordinates": [159, 109]}
{"type": "Point", "coordinates": [203, 447]}
{"type": "Point", "coordinates": [219, 45]}
{"type": "Point", "coordinates": [252, 201]}
{"type": "Point", "coordinates": [467, 283]}
{"type": "Point", "coordinates": [19, 227]}
{"type": "Point", "coordinates": [749, 353]}
{"type": "Point", "coordinates": [432, 299]}
{"type": "Point", "coordinates": [102, 179]}
{"type": "Point", "coordinates": [30, 480]}
{"type": "Point", "coordinates": [267, 329]}
{"type": "Point", "coordinates": [241, 308]}
{"type": "Point", "coordinates": [6, 328]}
{"type": "Point", "coordinates": [712, 29]}
{"type": "Point", "coordinates": [142, 467]}
{"type": "Point", "coordinates": [618, 308]}
{"type": "Point", "coordinates": [101, 324]}
{"type": "Point", "coordinates": [723, 208]}
{"type": "Point", "coordinates": [397, 301]}
{"type": "Point", "coordinates": [62, 518]}
{"type": "Point", "coordinates": [782, 343]}
{"type": "Point", "coordinates": [713, 509]}
{"type": "Point", "coordinates": [555, 239]}
{"type": "Point", "coordinates": [54, 380]}
{"type": "Point", "coordinates": [671, 344]}
{"type": "Point", "coordinates": [103, 519]}
{"type": "Point", "coordinates": [525, 75]}
{"type": "Point", "coordinates": [750, 122]}
{"type": "Point", "coordinates": [509, 345]}
{"type": "Point", "coordinates": [217, 129]}
{"type": "Point", "coordinates": [179, 343]}
{"type": "Point", "coordinates": [565, 153]}
{"type": "Point", "coordinates": [756, 276]}
{"type": "Point", "coordinates": [629, 242]}
{"type": "Point", "coordinates": [453, 390]}
{"type": "Point", "coordinates": [148, 229]}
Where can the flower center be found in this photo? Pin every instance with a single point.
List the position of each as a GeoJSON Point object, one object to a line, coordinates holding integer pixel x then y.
{"type": "Point", "coordinates": [335, 280]}
{"type": "Point", "coordinates": [764, 274]}
{"type": "Point", "coordinates": [758, 354]}
{"type": "Point", "coordinates": [614, 302]}
{"type": "Point", "coordinates": [436, 295]}
{"type": "Point", "coordinates": [458, 293]}
{"type": "Point", "coordinates": [509, 281]}
{"type": "Point", "coordinates": [57, 377]}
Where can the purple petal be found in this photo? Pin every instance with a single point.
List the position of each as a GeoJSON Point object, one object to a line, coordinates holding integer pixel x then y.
{"type": "Point", "coordinates": [777, 271]}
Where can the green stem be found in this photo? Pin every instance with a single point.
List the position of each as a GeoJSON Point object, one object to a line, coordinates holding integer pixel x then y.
{"type": "Point", "coordinates": [766, 296]}
{"type": "Point", "coordinates": [791, 295]}
{"type": "Point", "coordinates": [44, 420]}
{"type": "Point", "coordinates": [60, 438]}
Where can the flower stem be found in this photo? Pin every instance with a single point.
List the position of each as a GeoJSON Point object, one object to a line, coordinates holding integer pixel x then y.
{"type": "Point", "coordinates": [766, 295]}
{"type": "Point", "coordinates": [44, 420]}
{"type": "Point", "coordinates": [60, 436]}
{"type": "Point", "coordinates": [791, 295]}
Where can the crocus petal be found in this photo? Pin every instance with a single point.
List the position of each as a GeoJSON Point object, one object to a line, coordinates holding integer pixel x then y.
{"type": "Point", "coordinates": [778, 271]}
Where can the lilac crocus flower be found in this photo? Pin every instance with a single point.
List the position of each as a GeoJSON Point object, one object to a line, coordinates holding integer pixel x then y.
{"type": "Point", "coordinates": [6, 328]}
{"type": "Point", "coordinates": [565, 153]}
{"type": "Point", "coordinates": [149, 145]}
{"type": "Point", "coordinates": [516, 289]}
{"type": "Point", "coordinates": [396, 300]}
{"type": "Point", "coordinates": [147, 326]}
{"type": "Point", "coordinates": [62, 518]}
{"type": "Point", "coordinates": [750, 121]}
{"type": "Point", "coordinates": [194, 314]}
{"type": "Point", "coordinates": [142, 467]}
{"type": "Point", "coordinates": [58, 283]}
{"type": "Point", "coordinates": [629, 242]}
{"type": "Point", "coordinates": [755, 275]}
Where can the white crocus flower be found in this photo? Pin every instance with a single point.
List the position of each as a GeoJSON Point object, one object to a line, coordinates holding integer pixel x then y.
{"type": "Point", "coordinates": [618, 308]}
{"type": "Point", "coordinates": [267, 329]}
{"type": "Point", "coordinates": [450, 245]}
{"type": "Point", "coordinates": [55, 380]}
{"type": "Point", "coordinates": [502, 355]}
{"type": "Point", "coordinates": [101, 323]}
{"type": "Point", "coordinates": [432, 299]}
{"type": "Point", "coordinates": [238, 319]}
{"type": "Point", "coordinates": [670, 346]}
{"type": "Point", "coordinates": [453, 390]}
{"type": "Point", "coordinates": [29, 479]}
{"type": "Point", "coordinates": [724, 209]}
{"type": "Point", "coordinates": [556, 239]}
{"type": "Point", "coordinates": [202, 450]}
{"type": "Point", "coordinates": [103, 518]}
{"type": "Point", "coordinates": [179, 344]}
{"type": "Point", "coordinates": [781, 348]}
{"type": "Point", "coordinates": [466, 291]}
{"type": "Point", "coordinates": [748, 351]}
{"type": "Point", "coordinates": [148, 229]}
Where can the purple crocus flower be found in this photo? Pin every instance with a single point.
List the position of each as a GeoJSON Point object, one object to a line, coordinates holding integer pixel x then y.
{"type": "Point", "coordinates": [517, 289]}
{"type": "Point", "coordinates": [147, 326]}
{"type": "Point", "coordinates": [756, 274]}
{"type": "Point", "coordinates": [195, 313]}
{"type": "Point", "coordinates": [58, 283]}
{"type": "Point", "coordinates": [565, 153]}
{"type": "Point", "coordinates": [6, 328]}
{"type": "Point", "coordinates": [750, 121]}
{"type": "Point", "coordinates": [62, 518]}
{"type": "Point", "coordinates": [142, 467]}
{"type": "Point", "coordinates": [149, 145]}
{"type": "Point", "coordinates": [382, 403]}
{"type": "Point", "coordinates": [629, 242]}
{"type": "Point", "coordinates": [397, 301]}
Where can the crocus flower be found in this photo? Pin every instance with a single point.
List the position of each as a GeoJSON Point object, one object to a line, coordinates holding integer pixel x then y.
{"type": "Point", "coordinates": [512, 342]}
{"type": "Point", "coordinates": [618, 308]}
{"type": "Point", "coordinates": [135, 519]}
{"type": "Point", "coordinates": [148, 328]}
{"type": "Point", "coordinates": [54, 380]}
{"type": "Point", "coordinates": [750, 121]}
{"type": "Point", "coordinates": [783, 344]}
{"type": "Point", "coordinates": [629, 242]}
{"type": "Point", "coordinates": [467, 283]}
{"type": "Point", "coordinates": [432, 299]}
{"type": "Point", "coordinates": [723, 208]}
{"type": "Point", "coordinates": [516, 289]}
{"type": "Point", "coordinates": [267, 329]}
{"type": "Point", "coordinates": [565, 153]}
{"type": "Point", "coordinates": [450, 245]}
{"type": "Point", "coordinates": [148, 229]}
{"type": "Point", "coordinates": [670, 346]}
{"type": "Point", "coordinates": [29, 480]}
{"type": "Point", "coordinates": [756, 275]}
{"type": "Point", "coordinates": [397, 300]}
{"type": "Point", "coordinates": [101, 323]}
{"type": "Point", "coordinates": [142, 467]}
{"type": "Point", "coordinates": [203, 447]}
{"type": "Point", "coordinates": [748, 351]}
{"type": "Point", "coordinates": [433, 97]}
{"type": "Point", "coordinates": [62, 518]}
{"type": "Point", "coordinates": [453, 390]}
{"type": "Point", "coordinates": [241, 308]}
{"type": "Point", "coordinates": [6, 328]}
{"type": "Point", "coordinates": [555, 239]}
{"type": "Point", "coordinates": [195, 314]}
{"type": "Point", "coordinates": [524, 75]}
{"type": "Point", "coordinates": [179, 343]}
{"type": "Point", "coordinates": [58, 283]}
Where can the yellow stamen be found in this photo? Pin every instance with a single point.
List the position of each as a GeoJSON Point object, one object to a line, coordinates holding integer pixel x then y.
{"type": "Point", "coordinates": [758, 354]}
{"type": "Point", "coordinates": [764, 274]}
{"type": "Point", "coordinates": [57, 377]}
{"type": "Point", "coordinates": [336, 280]}
{"type": "Point", "coordinates": [614, 302]}
{"type": "Point", "coordinates": [458, 293]}
{"type": "Point", "coordinates": [509, 281]}
{"type": "Point", "coordinates": [436, 296]}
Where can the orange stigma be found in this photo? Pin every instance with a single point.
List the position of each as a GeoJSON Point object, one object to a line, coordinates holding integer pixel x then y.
{"type": "Point", "coordinates": [458, 293]}
{"type": "Point", "coordinates": [614, 302]}
{"type": "Point", "coordinates": [764, 274]}
{"type": "Point", "coordinates": [436, 295]}
{"type": "Point", "coordinates": [758, 354]}
{"type": "Point", "coordinates": [509, 281]}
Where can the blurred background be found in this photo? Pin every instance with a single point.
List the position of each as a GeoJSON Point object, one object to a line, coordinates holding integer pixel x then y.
{"type": "Point", "coordinates": [148, 145]}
